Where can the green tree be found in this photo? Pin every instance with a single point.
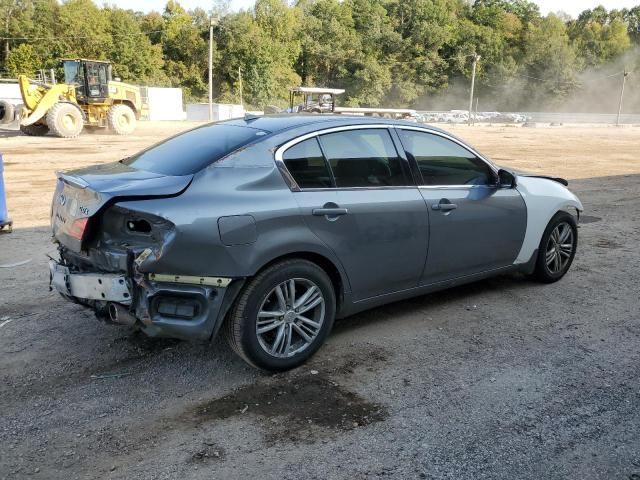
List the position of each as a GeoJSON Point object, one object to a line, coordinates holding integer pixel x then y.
{"type": "Point", "coordinates": [383, 52]}
{"type": "Point", "coordinates": [22, 60]}
{"type": "Point", "coordinates": [263, 46]}
{"type": "Point", "coordinates": [598, 40]}
{"type": "Point", "coordinates": [329, 42]}
{"type": "Point", "coordinates": [185, 51]}
{"type": "Point", "coordinates": [83, 30]}
{"type": "Point", "coordinates": [134, 57]}
{"type": "Point", "coordinates": [550, 78]}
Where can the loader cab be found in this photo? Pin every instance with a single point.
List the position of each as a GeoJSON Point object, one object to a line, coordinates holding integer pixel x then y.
{"type": "Point", "coordinates": [90, 77]}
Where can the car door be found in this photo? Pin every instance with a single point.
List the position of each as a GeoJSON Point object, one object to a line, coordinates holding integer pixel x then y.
{"type": "Point", "coordinates": [474, 225]}
{"type": "Point", "coordinates": [356, 194]}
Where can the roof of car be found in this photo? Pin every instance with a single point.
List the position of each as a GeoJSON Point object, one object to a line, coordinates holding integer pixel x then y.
{"type": "Point", "coordinates": [280, 122]}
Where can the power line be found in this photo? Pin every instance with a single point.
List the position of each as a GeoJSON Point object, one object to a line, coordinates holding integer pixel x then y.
{"type": "Point", "coordinates": [86, 37]}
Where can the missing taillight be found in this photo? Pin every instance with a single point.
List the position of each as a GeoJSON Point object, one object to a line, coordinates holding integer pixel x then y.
{"type": "Point", "coordinates": [138, 226]}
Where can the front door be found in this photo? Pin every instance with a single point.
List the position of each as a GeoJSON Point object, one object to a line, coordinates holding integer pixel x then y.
{"type": "Point", "coordinates": [356, 197]}
{"type": "Point", "coordinates": [474, 225]}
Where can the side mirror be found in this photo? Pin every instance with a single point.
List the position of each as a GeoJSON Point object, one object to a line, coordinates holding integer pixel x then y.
{"type": "Point", "coordinates": [506, 179]}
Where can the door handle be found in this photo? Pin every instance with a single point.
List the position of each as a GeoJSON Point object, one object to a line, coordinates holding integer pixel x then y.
{"type": "Point", "coordinates": [329, 212]}
{"type": "Point", "coordinates": [444, 207]}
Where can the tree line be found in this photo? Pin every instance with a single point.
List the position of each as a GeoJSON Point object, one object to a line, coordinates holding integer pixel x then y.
{"type": "Point", "coordinates": [392, 53]}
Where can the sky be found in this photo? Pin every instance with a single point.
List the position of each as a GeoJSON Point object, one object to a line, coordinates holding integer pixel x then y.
{"type": "Point", "coordinates": [572, 7]}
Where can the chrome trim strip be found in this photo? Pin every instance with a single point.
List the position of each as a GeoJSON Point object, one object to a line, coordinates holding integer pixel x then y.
{"type": "Point", "coordinates": [280, 151]}
{"type": "Point", "coordinates": [347, 189]}
{"type": "Point", "coordinates": [455, 187]}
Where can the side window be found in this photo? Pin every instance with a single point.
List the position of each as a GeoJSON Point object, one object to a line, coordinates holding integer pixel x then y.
{"type": "Point", "coordinates": [307, 165]}
{"type": "Point", "coordinates": [363, 158]}
{"type": "Point", "coordinates": [443, 162]}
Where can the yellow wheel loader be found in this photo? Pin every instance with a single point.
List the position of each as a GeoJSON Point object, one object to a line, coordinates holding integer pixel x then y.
{"type": "Point", "coordinates": [87, 98]}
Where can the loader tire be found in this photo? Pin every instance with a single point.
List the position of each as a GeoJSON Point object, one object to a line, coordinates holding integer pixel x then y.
{"type": "Point", "coordinates": [121, 119]}
{"type": "Point", "coordinates": [65, 120]}
{"type": "Point", "coordinates": [7, 112]}
{"type": "Point", "coordinates": [37, 130]}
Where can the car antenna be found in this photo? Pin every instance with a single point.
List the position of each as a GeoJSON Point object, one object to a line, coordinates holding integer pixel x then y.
{"type": "Point", "coordinates": [248, 117]}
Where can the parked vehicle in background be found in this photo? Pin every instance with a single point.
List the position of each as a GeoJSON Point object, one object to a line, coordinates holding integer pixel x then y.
{"type": "Point", "coordinates": [462, 116]}
{"type": "Point", "coordinates": [457, 117]}
{"type": "Point", "coordinates": [269, 228]}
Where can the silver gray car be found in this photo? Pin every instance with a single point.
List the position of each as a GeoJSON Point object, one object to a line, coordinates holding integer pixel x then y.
{"type": "Point", "coordinates": [269, 228]}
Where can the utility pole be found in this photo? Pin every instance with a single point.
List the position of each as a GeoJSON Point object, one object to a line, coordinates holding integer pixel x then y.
{"type": "Point", "coordinates": [212, 22]}
{"type": "Point", "coordinates": [624, 80]}
{"type": "Point", "coordinates": [475, 114]}
{"type": "Point", "coordinates": [240, 79]}
{"type": "Point", "coordinates": [476, 57]}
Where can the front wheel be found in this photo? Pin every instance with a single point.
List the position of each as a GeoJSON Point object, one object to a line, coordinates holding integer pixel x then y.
{"type": "Point", "coordinates": [283, 315]}
{"type": "Point", "coordinates": [557, 248]}
{"type": "Point", "coordinates": [65, 120]}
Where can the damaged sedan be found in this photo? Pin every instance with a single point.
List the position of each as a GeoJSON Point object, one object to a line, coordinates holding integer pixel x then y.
{"type": "Point", "coordinates": [269, 228]}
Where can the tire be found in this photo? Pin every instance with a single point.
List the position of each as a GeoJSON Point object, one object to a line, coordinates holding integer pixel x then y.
{"type": "Point", "coordinates": [65, 120]}
{"type": "Point", "coordinates": [554, 258]}
{"type": "Point", "coordinates": [262, 350]}
{"type": "Point", "coordinates": [121, 119]}
{"type": "Point", "coordinates": [37, 130]}
{"type": "Point", "coordinates": [7, 112]}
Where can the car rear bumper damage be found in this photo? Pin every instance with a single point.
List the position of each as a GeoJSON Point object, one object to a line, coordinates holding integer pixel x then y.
{"type": "Point", "coordinates": [186, 307]}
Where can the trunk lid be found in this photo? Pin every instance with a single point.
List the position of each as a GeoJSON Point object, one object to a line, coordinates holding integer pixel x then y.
{"type": "Point", "coordinates": [81, 194]}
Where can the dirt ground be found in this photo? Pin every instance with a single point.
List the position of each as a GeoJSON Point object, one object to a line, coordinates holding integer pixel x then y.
{"type": "Point", "coordinates": [504, 378]}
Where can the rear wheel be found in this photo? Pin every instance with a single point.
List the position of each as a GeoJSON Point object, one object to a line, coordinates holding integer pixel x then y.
{"type": "Point", "coordinates": [65, 120]}
{"type": "Point", "coordinates": [283, 315]}
{"type": "Point", "coordinates": [37, 130]}
{"type": "Point", "coordinates": [121, 119]}
{"type": "Point", "coordinates": [557, 248]}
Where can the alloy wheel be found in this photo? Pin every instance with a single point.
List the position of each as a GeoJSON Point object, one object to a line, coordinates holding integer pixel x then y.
{"type": "Point", "coordinates": [559, 248]}
{"type": "Point", "coordinates": [290, 317]}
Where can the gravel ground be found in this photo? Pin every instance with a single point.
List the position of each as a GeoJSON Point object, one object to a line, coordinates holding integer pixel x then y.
{"type": "Point", "coordinates": [503, 378]}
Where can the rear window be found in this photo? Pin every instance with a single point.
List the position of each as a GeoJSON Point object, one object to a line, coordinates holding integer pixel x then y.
{"type": "Point", "coordinates": [192, 151]}
{"type": "Point", "coordinates": [307, 165]}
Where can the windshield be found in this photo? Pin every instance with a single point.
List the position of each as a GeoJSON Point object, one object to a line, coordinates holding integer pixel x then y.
{"type": "Point", "coordinates": [192, 151]}
{"type": "Point", "coordinates": [72, 74]}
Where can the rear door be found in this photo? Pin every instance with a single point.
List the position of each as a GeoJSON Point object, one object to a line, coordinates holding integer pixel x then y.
{"type": "Point", "coordinates": [474, 225]}
{"type": "Point", "coordinates": [356, 194]}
